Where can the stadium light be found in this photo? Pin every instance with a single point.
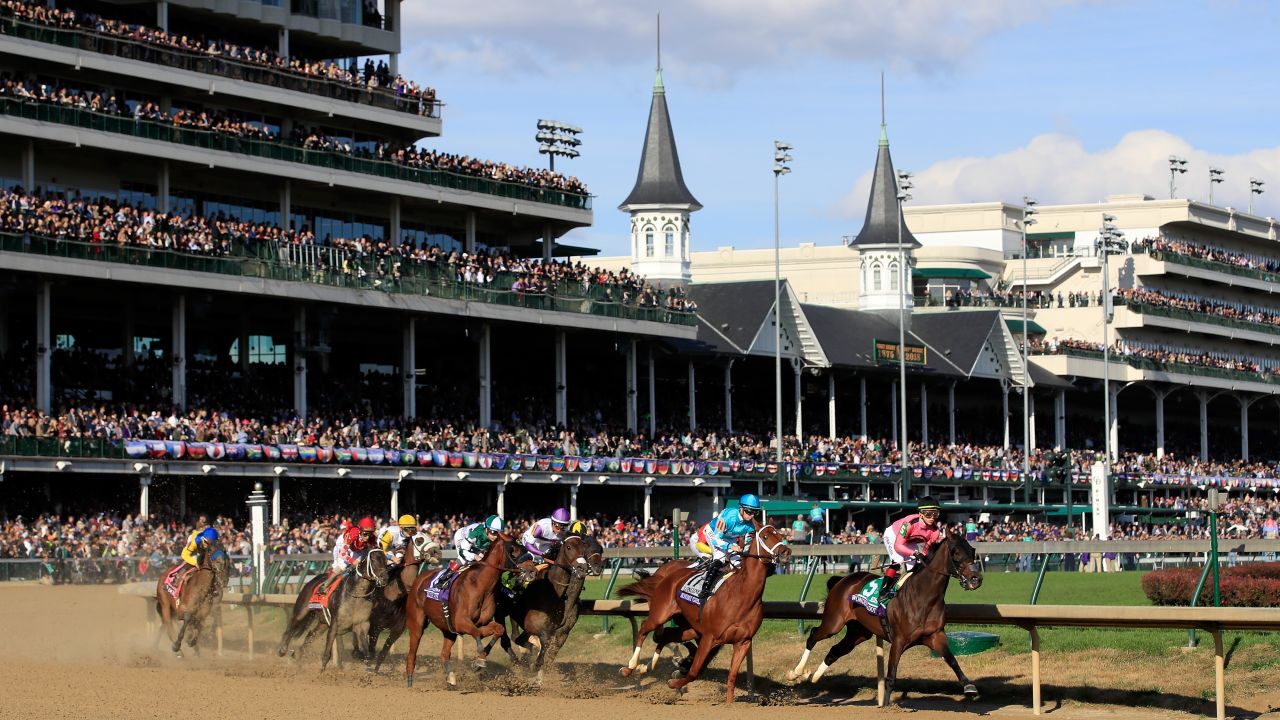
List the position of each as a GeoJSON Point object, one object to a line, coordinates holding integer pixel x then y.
{"type": "Point", "coordinates": [1110, 239]}
{"type": "Point", "coordinates": [1255, 189]}
{"type": "Point", "coordinates": [781, 157]}
{"type": "Point", "coordinates": [1177, 165]}
{"type": "Point", "coordinates": [904, 278]}
{"type": "Point", "coordinates": [557, 138]}
{"type": "Point", "coordinates": [1028, 209]}
{"type": "Point", "coordinates": [1215, 177]}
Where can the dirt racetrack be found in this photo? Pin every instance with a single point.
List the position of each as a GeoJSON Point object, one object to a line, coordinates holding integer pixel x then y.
{"type": "Point", "coordinates": [70, 652]}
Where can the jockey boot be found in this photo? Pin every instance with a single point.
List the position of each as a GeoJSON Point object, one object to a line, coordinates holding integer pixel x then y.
{"type": "Point", "coordinates": [709, 582]}
{"type": "Point", "coordinates": [890, 581]}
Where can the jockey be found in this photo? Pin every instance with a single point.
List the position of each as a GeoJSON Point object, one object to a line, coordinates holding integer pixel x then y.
{"type": "Point", "coordinates": [200, 540]}
{"type": "Point", "coordinates": [716, 539]}
{"type": "Point", "coordinates": [543, 536]}
{"type": "Point", "coordinates": [394, 539]}
{"type": "Point", "coordinates": [352, 545]}
{"type": "Point", "coordinates": [471, 542]}
{"type": "Point", "coordinates": [908, 540]}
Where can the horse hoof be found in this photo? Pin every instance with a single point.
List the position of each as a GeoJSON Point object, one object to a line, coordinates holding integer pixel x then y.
{"type": "Point", "coordinates": [479, 665]}
{"type": "Point", "coordinates": [970, 692]}
{"type": "Point", "coordinates": [408, 682]}
{"type": "Point", "coordinates": [642, 668]}
{"type": "Point", "coordinates": [451, 686]}
{"type": "Point", "coordinates": [625, 672]}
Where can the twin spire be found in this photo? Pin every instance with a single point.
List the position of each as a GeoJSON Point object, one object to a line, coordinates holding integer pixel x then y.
{"type": "Point", "coordinates": [883, 217]}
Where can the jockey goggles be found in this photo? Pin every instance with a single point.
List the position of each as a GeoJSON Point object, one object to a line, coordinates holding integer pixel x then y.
{"type": "Point", "coordinates": [929, 513]}
{"type": "Point", "coordinates": [750, 512]}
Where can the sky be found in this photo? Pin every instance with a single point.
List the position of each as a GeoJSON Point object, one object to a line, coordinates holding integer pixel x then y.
{"type": "Point", "coordinates": [987, 100]}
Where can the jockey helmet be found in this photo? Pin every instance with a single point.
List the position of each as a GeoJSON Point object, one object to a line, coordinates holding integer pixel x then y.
{"type": "Point", "coordinates": [750, 502]}
{"type": "Point", "coordinates": [493, 523]}
{"type": "Point", "coordinates": [208, 536]}
{"type": "Point", "coordinates": [367, 525]}
{"type": "Point", "coordinates": [927, 503]}
{"type": "Point", "coordinates": [560, 516]}
{"type": "Point", "coordinates": [407, 522]}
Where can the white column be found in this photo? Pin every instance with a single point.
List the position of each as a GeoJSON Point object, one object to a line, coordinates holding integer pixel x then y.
{"type": "Point", "coordinates": [573, 502]}
{"type": "Point", "coordinates": [275, 501]}
{"type": "Point", "coordinates": [862, 405]}
{"type": "Point", "coordinates": [395, 500]}
{"type": "Point", "coordinates": [693, 398]}
{"type": "Point", "coordinates": [1244, 428]}
{"type": "Point", "coordinates": [831, 404]}
{"type": "Point", "coordinates": [728, 396]}
{"type": "Point", "coordinates": [282, 44]}
{"type": "Point", "coordinates": [648, 503]}
{"type": "Point", "coordinates": [300, 362]}
{"type": "Point", "coordinates": [162, 187]}
{"type": "Point", "coordinates": [394, 225]}
{"type": "Point", "coordinates": [799, 405]}
{"type": "Point", "coordinates": [632, 400]}
{"type": "Point", "coordinates": [951, 413]}
{"type": "Point", "coordinates": [1060, 420]}
{"type": "Point", "coordinates": [1204, 425]}
{"type": "Point", "coordinates": [1114, 430]}
{"type": "Point", "coordinates": [548, 242]}
{"type": "Point", "coordinates": [562, 379]}
{"type": "Point", "coordinates": [162, 15]}
{"type": "Point", "coordinates": [893, 410]}
{"type": "Point", "coordinates": [653, 398]}
{"type": "Point", "coordinates": [1004, 410]}
{"type": "Point", "coordinates": [1031, 424]}
{"type": "Point", "coordinates": [469, 243]}
{"type": "Point", "coordinates": [486, 375]}
{"type": "Point", "coordinates": [179, 347]}
{"type": "Point", "coordinates": [44, 346]}
{"type": "Point", "coordinates": [144, 495]}
{"type": "Point", "coordinates": [1159, 423]}
{"type": "Point", "coordinates": [29, 166]}
{"type": "Point", "coordinates": [501, 509]}
{"type": "Point", "coordinates": [286, 201]}
{"type": "Point", "coordinates": [408, 364]}
{"type": "Point", "coordinates": [924, 414]}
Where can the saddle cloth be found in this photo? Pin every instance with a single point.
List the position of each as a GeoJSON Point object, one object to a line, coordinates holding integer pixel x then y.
{"type": "Point", "coordinates": [440, 585]}
{"type": "Point", "coordinates": [322, 592]}
{"type": "Point", "coordinates": [176, 578]}
{"type": "Point", "coordinates": [691, 590]}
{"type": "Point", "coordinates": [869, 596]}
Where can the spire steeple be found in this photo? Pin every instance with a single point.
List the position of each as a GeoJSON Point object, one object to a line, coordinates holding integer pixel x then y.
{"type": "Point", "coordinates": [883, 219]}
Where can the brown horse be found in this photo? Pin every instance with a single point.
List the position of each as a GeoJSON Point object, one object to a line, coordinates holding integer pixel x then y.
{"type": "Point", "coordinates": [547, 609]}
{"type": "Point", "coordinates": [730, 616]}
{"type": "Point", "coordinates": [915, 617]}
{"type": "Point", "coordinates": [350, 607]}
{"type": "Point", "coordinates": [199, 596]}
{"type": "Point", "coordinates": [388, 609]}
{"type": "Point", "coordinates": [468, 611]}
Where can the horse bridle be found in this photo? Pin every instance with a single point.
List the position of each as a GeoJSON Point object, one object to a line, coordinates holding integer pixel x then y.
{"type": "Point", "coordinates": [769, 552]}
{"type": "Point", "coordinates": [365, 572]}
{"type": "Point", "coordinates": [574, 568]}
{"type": "Point", "coordinates": [953, 566]}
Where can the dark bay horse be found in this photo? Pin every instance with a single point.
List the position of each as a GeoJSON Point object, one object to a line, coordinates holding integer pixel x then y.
{"type": "Point", "coordinates": [350, 607]}
{"type": "Point", "coordinates": [388, 608]}
{"type": "Point", "coordinates": [468, 611]}
{"type": "Point", "coordinates": [730, 616]}
{"type": "Point", "coordinates": [547, 609]}
{"type": "Point", "coordinates": [199, 596]}
{"type": "Point", "coordinates": [916, 616]}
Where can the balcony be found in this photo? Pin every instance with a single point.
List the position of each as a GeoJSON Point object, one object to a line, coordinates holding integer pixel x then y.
{"type": "Point", "coordinates": [1214, 266]}
{"type": "Point", "coordinates": [415, 278]}
{"type": "Point", "coordinates": [1197, 317]}
{"type": "Point", "coordinates": [1168, 367]}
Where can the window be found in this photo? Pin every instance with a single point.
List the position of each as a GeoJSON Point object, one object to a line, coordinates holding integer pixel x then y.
{"type": "Point", "coordinates": [648, 242]}
{"type": "Point", "coordinates": [875, 277]}
{"type": "Point", "coordinates": [894, 275]}
{"type": "Point", "coordinates": [263, 350]}
{"type": "Point", "coordinates": [669, 240]}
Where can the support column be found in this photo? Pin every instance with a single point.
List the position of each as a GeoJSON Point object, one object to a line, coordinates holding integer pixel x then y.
{"type": "Point", "coordinates": [144, 495]}
{"type": "Point", "coordinates": [1060, 420]}
{"type": "Point", "coordinates": [893, 411]}
{"type": "Point", "coordinates": [162, 15]}
{"type": "Point", "coordinates": [693, 398]}
{"type": "Point", "coordinates": [395, 500]}
{"type": "Point", "coordinates": [282, 42]}
{"type": "Point", "coordinates": [653, 397]}
{"type": "Point", "coordinates": [951, 413]}
{"type": "Point", "coordinates": [633, 414]}
{"type": "Point", "coordinates": [393, 60]}
{"type": "Point", "coordinates": [501, 509]}
{"type": "Point", "coordinates": [715, 502]}
{"type": "Point", "coordinates": [573, 502]}
{"type": "Point", "coordinates": [924, 414]}
{"type": "Point", "coordinates": [1203, 397]}
{"type": "Point", "coordinates": [548, 242]}
{"type": "Point", "coordinates": [162, 187]}
{"type": "Point", "coordinates": [275, 501]}
{"type": "Point", "coordinates": [1244, 428]}
{"type": "Point", "coordinates": [486, 375]}
{"type": "Point", "coordinates": [728, 396]}
{"type": "Point", "coordinates": [300, 361]}
{"type": "Point", "coordinates": [182, 498]}
{"type": "Point", "coordinates": [408, 366]}
{"type": "Point", "coordinates": [1114, 430]}
{"type": "Point", "coordinates": [178, 344]}
{"type": "Point", "coordinates": [286, 200]}
{"type": "Point", "coordinates": [862, 405]}
{"type": "Point", "coordinates": [648, 503]}
{"type": "Point", "coordinates": [799, 404]}
{"type": "Point", "coordinates": [44, 346]}
{"type": "Point", "coordinates": [29, 166]}
{"type": "Point", "coordinates": [394, 221]}
{"type": "Point", "coordinates": [1004, 410]}
{"type": "Point", "coordinates": [831, 404]}
{"type": "Point", "coordinates": [469, 242]}
{"type": "Point", "coordinates": [242, 347]}
{"type": "Point", "coordinates": [1160, 423]}
{"type": "Point", "coordinates": [562, 379]}
{"type": "Point", "coordinates": [1030, 440]}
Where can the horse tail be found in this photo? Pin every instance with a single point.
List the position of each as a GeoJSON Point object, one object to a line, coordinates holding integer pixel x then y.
{"type": "Point", "coordinates": [641, 588]}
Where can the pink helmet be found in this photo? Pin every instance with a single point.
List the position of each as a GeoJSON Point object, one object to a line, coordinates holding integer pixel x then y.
{"type": "Point", "coordinates": [560, 516]}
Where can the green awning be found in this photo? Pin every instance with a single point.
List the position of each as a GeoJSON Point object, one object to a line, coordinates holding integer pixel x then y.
{"type": "Point", "coordinates": [792, 507]}
{"type": "Point", "coordinates": [950, 273]}
{"type": "Point", "coordinates": [1061, 235]}
{"type": "Point", "coordinates": [1033, 327]}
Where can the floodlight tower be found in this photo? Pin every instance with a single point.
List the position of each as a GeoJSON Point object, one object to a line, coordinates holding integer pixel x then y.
{"type": "Point", "coordinates": [557, 138]}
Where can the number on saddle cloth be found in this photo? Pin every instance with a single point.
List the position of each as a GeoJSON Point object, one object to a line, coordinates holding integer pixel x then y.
{"type": "Point", "coordinates": [691, 590]}
{"type": "Point", "coordinates": [869, 597]}
{"type": "Point", "coordinates": [176, 578]}
{"type": "Point", "coordinates": [440, 585]}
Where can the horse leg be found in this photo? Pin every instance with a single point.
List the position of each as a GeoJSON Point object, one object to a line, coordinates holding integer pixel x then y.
{"type": "Point", "coordinates": [392, 636]}
{"type": "Point", "coordinates": [938, 643]}
{"type": "Point", "coordinates": [700, 660]}
{"type": "Point", "coordinates": [896, 648]}
{"type": "Point", "coordinates": [651, 623]}
{"type": "Point", "coordinates": [312, 626]}
{"type": "Point", "coordinates": [446, 659]}
{"type": "Point", "coordinates": [182, 632]}
{"type": "Point", "coordinates": [830, 625]}
{"type": "Point", "coordinates": [290, 632]}
{"type": "Point", "coordinates": [416, 625]}
{"type": "Point", "coordinates": [740, 650]}
{"type": "Point", "coordinates": [330, 637]}
{"type": "Point", "coordinates": [663, 637]}
{"type": "Point", "coordinates": [853, 635]}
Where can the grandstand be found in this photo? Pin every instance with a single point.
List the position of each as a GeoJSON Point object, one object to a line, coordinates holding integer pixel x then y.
{"type": "Point", "coordinates": [236, 259]}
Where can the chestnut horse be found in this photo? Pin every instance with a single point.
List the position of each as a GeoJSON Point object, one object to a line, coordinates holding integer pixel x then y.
{"type": "Point", "coordinates": [730, 616]}
{"type": "Point", "coordinates": [917, 615]}
{"type": "Point", "coordinates": [200, 595]}
{"type": "Point", "coordinates": [388, 608]}
{"type": "Point", "coordinates": [469, 610]}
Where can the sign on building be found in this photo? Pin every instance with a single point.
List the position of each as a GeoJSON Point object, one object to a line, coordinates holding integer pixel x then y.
{"type": "Point", "coordinates": [887, 352]}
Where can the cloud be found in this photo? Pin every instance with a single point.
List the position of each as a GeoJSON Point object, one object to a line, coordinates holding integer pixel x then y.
{"type": "Point", "coordinates": [713, 38]}
{"type": "Point", "coordinates": [1057, 169]}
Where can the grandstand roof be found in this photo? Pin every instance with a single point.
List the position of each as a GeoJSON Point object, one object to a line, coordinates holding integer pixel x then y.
{"type": "Point", "coordinates": [883, 219]}
{"type": "Point", "coordinates": [846, 337]}
{"type": "Point", "coordinates": [659, 181]}
{"type": "Point", "coordinates": [730, 314]}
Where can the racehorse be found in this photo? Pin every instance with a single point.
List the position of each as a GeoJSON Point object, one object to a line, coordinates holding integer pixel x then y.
{"type": "Point", "coordinates": [730, 616]}
{"type": "Point", "coordinates": [200, 595]}
{"type": "Point", "coordinates": [350, 605]}
{"type": "Point", "coordinates": [468, 611]}
{"type": "Point", "coordinates": [547, 609]}
{"type": "Point", "coordinates": [915, 617]}
{"type": "Point", "coordinates": [388, 609]}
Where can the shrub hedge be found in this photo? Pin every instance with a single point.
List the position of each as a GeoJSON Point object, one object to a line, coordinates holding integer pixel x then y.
{"type": "Point", "coordinates": [1250, 585]}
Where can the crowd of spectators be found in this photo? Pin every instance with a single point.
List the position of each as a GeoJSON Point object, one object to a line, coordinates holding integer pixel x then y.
{"type": "Point", "coordinates": [1129, 351]}
{"type": "Point", "coordinates": [1160, 244]}
{"type": "Point", "coordinates": [371, 78]}
{"type": "Point", "coordinates": [1200, 305]}
{"type": "Point", "coordinates": [228, 124]}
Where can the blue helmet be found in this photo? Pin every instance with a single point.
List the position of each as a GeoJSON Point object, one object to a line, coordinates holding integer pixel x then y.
{"type": "Point", "coordinates": [750, 502]}
{"type": "Point", "coordinates": [208, 536]}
